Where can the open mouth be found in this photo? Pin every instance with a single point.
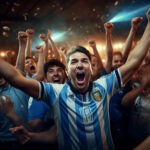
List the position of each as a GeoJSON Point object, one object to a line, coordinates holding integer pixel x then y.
{"type": "Point", "coordinates": [56, 81]}
{"type": "Point", "coordinates": [80, 76]}
{"type": "Point", "coordinates": [32, 68]}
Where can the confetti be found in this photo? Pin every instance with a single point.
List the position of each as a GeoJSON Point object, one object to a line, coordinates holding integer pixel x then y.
{"type": "Point", "coordinates": [35, 14]}
{"type": "Point", "coordinates": [16, 4]}
{"type": "Point", "coordinates": [13, 9]}
{"type": "Point", "coordinates": [6, 28]}
{"type": "Point", "coordinates": [93, 9]}
{"type": "Point", "coordinates": [37, 8]}
{"type": "Point", "coordinates": [5, 34]}
{"type": "Point", "coordinates": [116, 3]}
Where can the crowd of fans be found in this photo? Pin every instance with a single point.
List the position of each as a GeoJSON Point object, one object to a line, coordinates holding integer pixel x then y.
{"type": "Point", "coordinates": [71, 99]}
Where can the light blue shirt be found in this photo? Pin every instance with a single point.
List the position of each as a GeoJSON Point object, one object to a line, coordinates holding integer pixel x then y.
{"type": "Point", "coordinates": [20, 100]}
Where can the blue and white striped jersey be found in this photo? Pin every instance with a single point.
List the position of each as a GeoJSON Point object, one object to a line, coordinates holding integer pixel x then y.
{"type": "Point", "coordinates": [82, 119]}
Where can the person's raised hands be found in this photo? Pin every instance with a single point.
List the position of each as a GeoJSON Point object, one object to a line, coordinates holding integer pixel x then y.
{"type": "Point", "coordinates": [43, 37]}
{"type": "Point", "coordinates": [136, 22]}
{"type": "Point", "coordinates": [92, 43]}
{"type": "Point", "coordinates": [30, 33]}
{"type": "Point", "coordinates": [22, 36]}
{"type": "Point", "coordinates": [108, 27]}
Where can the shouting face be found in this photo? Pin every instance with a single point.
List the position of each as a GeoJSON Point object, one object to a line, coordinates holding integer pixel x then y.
{"type": "Point", "coordinates": [79, 71]}
{"type": "Point", "coordinates": [55, 74]}
{"type": "Point", "coordinates": [30, 66]}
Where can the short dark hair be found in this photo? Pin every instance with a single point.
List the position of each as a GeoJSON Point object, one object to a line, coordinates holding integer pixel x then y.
{"type": "Point", "coordinates": [77, 49]}
{"type": "Point", "coordinates": [53, 62]}
{"type": "Point", "coordinates": [117, 53]}
{"type": "Point", "coordinates": [28, 57]}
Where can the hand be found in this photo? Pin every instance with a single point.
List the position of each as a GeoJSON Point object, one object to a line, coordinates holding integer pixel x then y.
{"type": "Point", "coordinates": [136, 22]}
{"type": "Point", "coordinates": [30, 33]}
{"type": "Point", "coordinates": [7, 106]}
{"type": "Point", "coordinates": [49, 34]}
{"type": "Point", "coordinates": [39, 49]}
{"type": "Point", "coordinates": [64, 49]}
{"type": "Point", "coordinates": [21, 133]}
{"type": "Point", "coordinates": [22, 36]}
{"type": "Point", "coordinates": [8, 54]}
{"type": "Point", "coordinates": [44, 37]}
{"type": "Point", "coordinates": [92, 43]}
{"type": "Point", "coordinates": [108, 27]}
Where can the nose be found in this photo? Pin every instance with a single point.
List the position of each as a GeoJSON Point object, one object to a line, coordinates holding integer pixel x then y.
{"type": "Point", "coordinates": [79, 65]}
{"type": "Point", "coordinates": [55, 72]}
{"type": "Point", "coordinates": [120, 63]}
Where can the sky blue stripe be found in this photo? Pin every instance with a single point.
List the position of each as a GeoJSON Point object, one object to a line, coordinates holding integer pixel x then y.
{"type": "Point", "coordinates": [96, 124]}
{"type": "Point", "coordinates": [80, 125]}
{"type": "Point", "coordinates": [64, 117]}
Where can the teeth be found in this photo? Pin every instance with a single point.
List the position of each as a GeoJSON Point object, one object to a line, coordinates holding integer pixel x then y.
{"type": "Point", "coordinates": [56, 80]}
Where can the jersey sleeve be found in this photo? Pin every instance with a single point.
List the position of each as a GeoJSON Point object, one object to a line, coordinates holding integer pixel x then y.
{"type": "Point", "coordinates": [49, 92]}
{"type": "Point", "coordinates": [111, 82]}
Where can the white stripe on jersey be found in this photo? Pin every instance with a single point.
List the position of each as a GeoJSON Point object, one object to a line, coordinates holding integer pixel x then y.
{"type": "Point", "coordinates": [72, 117]}
{"type": "Point", "coordinates": [90, 135]}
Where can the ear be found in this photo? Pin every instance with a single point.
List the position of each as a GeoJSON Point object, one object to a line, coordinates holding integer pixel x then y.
{"type": "Point", "coordinates": [91, 70]}
{"type": "Point", "coordinates": [66, 73]}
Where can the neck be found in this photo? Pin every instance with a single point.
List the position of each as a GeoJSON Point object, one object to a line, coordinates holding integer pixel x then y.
{"type": "Point", "coordinates": [81, 91]}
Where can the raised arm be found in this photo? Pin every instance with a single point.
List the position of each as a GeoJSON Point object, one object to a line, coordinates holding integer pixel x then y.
{"type": "Point", "coordinates": [54, 47]}
{"type": "Point", "coordinates": [100, 67]}
{"type": "Point", "coordinates": [135, 23]}
{"type": "Point", "coordinates": [11, 75]}
{"type": "Point", "coordinates": [9, 57]}
{"type": "Point", "coordinates": [145, 145]}
{"type": "Point", "coordinates": [22, 37]}
{"type": "Point", "coordinates": [46, 46]}
{"type": "Point", "coordinates": [130, 97]}
{"type": "Point", "coordinates": [30, 33]}
{"type": "Point", "coordinates": [138, 54]}
{"type": "Point", "coordinates": [109, 49]}
{"type": "Point", "coordinates": [40, 65]}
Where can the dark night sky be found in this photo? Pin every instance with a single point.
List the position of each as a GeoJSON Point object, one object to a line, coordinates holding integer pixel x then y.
{"type": "Point", "coordinates": [83, 19]}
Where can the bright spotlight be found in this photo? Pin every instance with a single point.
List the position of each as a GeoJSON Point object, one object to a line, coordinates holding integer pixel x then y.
{"type": "Point", "coordinates": [56, 37]}
{"type": "Point", "coordinates": [104, 47]}
{"type": "Point", "coordinates": [99, 47]}
{"type": "Point", "coordinates": [103, 60]}
{"type": "Point", "coordinates": [2, 54]}
{"type": "Point", "coordinates": [116, 46]}
{"type": "Point", "coordinates": [128, 15]}
{"type": "Point", "coordinates": [120, 45]}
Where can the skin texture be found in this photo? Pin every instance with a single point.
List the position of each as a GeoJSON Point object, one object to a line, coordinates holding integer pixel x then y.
{"type": "Point", "coordinates": [79, 63]}
{"type": "Point", "coordinates": [28, 65]}
{"type": "Point", "coordinates": [117, 61]}
{"type": "Point", "coordinates": [55, 74]}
